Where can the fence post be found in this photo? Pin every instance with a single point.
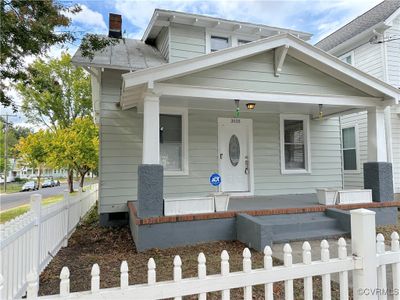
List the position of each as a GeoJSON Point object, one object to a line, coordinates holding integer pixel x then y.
{"type": "Point", "coordinates": [363, 233]}
{"type": "Point", "coordinates": [66, 200]}
{"type": "Point", "coordinates": [36, 207]}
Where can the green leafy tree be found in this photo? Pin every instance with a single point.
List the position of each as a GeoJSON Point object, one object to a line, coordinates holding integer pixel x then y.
{"type": "Point", "coordinates": [76, 148]}
{"type": "Point", "coordinates": [33, 151]}
{"type": "Point", "coordinates": [28, 27]}
{"type": "Point", "coordinates": [55, 93]}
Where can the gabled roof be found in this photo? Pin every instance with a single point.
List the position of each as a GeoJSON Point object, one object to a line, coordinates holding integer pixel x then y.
{"type": "Point", "coordinates": [162, 18]}
{"type": "Point", "coordinates": [128, 54]}
{"type": "Point", "coordinates": [298, 49]}
{"type": "Point", "coordinates": [372, 17]}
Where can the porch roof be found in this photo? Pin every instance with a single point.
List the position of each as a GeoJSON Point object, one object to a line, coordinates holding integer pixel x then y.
{"type": "Point", "coordinates": [135, 84]}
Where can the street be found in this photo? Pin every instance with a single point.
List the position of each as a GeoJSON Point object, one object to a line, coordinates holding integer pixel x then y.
{"type": "Point", "coordinates": [8, 201]}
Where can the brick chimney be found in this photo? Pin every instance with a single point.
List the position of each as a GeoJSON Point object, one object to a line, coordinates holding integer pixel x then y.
{"type": "Point", "coordinates": [115, 26]}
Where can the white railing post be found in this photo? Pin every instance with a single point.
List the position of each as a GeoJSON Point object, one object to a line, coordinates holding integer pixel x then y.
{"type": "Point", "coordinates": [36, 206]}
{"type": "Point", "coordinates": [124, 275]}
{"type": "Point", "coordinates": [151, 272]}
{"type": "Point", "coordinates": [202, 272]}
{"type": "Point", "coordinates": [343, 276]}
{"type": "Point", "coordinates": [380, 249]}
{"type": "Point", "coordinates": [247, 290]}
{"type": "Point", "coordinates": [225, 294]}
{"type": "Point", "coordinates": [32, 288]}
{"type": "Point", "coordinates": [177, 272]}
{"type": "Point", "coordinates": [66, 202]}
{"type": "Point", "coordinates": [288, 262]}
{"type": "Point", "coordinates": [363, 234]}
{"type": "Point", "coordinates": [308, 288]}
{"type": "Point", "coordinates": [326, 278]}
{"type": "Point", "coordinates": [395, 247]}
{"type": "Point", "coordinates": [95, 282]}
{"type": "Point", "coordinates": [64, 282]}
{"type": "Point", "coordinates": [269, 289]}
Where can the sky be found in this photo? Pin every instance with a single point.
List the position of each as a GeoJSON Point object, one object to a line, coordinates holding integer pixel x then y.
{"type": "Point", "coordinates": [319, 17]}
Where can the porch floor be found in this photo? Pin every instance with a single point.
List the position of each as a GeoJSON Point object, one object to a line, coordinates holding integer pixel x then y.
{"type": "Point", "coordinates": [272, 202]}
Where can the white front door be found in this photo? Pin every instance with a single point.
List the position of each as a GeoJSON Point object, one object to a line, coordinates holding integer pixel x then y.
{"type": "Point", "coordinates": [234, 137]}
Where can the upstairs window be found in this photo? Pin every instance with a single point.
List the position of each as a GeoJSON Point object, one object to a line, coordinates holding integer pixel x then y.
{"type": "Point", "coordinates": [348, 58]}
{"type": "Point", "coordinates": [295, 148]}
{"type": "Point", "coordinates": [218, 43]}
{"type": "Point", "coordinates": [349, 148]}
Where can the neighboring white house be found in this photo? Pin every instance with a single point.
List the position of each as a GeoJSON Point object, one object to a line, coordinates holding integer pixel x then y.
{"type": "Point", "coordinates": [371, 42]}
{"type": "Point", "coordinates": [171, 99]}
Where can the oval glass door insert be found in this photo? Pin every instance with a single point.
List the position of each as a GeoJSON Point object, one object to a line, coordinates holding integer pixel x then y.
{"type": "Point", "coordinates": [234, 150]}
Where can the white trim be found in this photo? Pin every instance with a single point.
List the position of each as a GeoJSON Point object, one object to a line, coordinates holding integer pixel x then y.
{"type": "Point", "coordinates": [389, 21]}
{"type": "Point", "coordinates": [185, 138]}
{"type": "Point", "coordinates": [249, 124]}
{"type": "Point", "coordinates": [344, 56]}
{"type": "Point", "coordinates": [357, 148]}
{"type": "Point", "coordinates": [223, 93]}
{"type": "Point", "coordinates": [298, 49]}
{"type": "Point", "coordinates": [233, 37]}
{"type": "Point", "coordinates": [279, 58]}
{"type": "Point", "coordinates": [307, 143]}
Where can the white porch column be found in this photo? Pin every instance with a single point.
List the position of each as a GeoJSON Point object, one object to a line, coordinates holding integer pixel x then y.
{"type": "Point", "coordinates": [151, 129]}
{"type": "Point", "coordinates": [377, 139]}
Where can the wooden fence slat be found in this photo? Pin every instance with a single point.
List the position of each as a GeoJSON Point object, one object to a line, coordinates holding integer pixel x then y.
{"type": "Point", "coordinates": [202, 272]}
{"type": "Point", "coordinates": [247, 290]}
{"type": "Point", "coordinates": [343, 276]}
{"type": "Point", "coordinates": [269, 289]}
{"type": "Point", "coordinates": [288, 262]}
{"type": "Point", "coordinates": [395, 247]}
{"type": "Point", "coordinates": [225, 294]}
{"type": "Point", "coordinates": [308, 288]}
{"type": "Point", "coordinates": [326, 278]}
{"type": "Point", "coordinates": [380, 249]}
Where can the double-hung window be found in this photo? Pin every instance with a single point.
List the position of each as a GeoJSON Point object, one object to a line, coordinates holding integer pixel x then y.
{"type": "Point", "coordinates": [349, 149]}
{"type": "Point", "coordinates": [173, 141]}
{"type": "Point", "coordinates": [295, 145]}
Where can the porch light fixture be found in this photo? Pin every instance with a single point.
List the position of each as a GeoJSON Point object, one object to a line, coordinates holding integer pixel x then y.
{"type": "Point", "coordinates": [320, 113]}
{"type": "Point", "coordinates": [250, 105]}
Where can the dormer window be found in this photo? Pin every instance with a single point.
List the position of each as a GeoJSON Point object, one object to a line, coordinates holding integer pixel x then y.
{"type": "Point", "coordinates": [218, 43]}
{"type": "Point", "coordinates": [348, 58]}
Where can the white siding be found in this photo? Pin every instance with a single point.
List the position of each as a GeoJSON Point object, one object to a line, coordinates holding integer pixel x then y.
{"type": "Point", "coordinates": [368, 58]}
{"type": "Point", "coordinates": [186, 42]}
{"type": "Point", "coordinates": [396, 147]}
{"type": "Point", "coordinates": [256, 73]}
{"type": "Point", "coordinates": [162, 42]}
{"type": "Point", "coordinates": [393, 54]}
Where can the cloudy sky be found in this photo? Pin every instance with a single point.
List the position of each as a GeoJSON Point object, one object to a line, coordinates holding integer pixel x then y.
{"type": "Point", "coordinates": [319, 17]}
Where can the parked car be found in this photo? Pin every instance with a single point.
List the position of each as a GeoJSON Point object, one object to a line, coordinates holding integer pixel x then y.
{"type": "Point", "coordinates": [57, 183]}
{"type": "Point", "coordinates": [48, 183]}
{"type": "Point", "coordinates": [30, 186]}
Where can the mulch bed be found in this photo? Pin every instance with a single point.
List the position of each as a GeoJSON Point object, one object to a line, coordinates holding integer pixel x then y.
{"type": "Point", "coordinates": [110, 246]}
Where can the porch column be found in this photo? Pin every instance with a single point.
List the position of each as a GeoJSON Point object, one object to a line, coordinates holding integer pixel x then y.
{"type": "Point", "coordinates": [151, 129]}
{"type": "Point", "coordinates": [378, 174]}
{"type": "Point", "coordinates": [150, 200]}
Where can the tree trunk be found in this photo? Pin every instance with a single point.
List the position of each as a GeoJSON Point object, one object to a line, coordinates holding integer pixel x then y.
{"type": "Point", "coordinates": [71, 180]}
{"type": "Point", "coordinates": [82, 179]}
{"type": "Point", "coordinates": [39, 176]}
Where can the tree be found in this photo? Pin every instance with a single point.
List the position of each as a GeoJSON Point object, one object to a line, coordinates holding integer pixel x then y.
{"type": "Point", "coordinates": [55, 93]}
{"type": "Point", "coordinates": [33, 150]}
{"type": "Point", "coordinates": [76, 148]}
{"type": "Point", "coordinates": [28, 27]}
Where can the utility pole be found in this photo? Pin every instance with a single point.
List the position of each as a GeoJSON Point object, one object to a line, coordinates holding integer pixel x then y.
{"type": "Point", "coordinates": [6, 148]}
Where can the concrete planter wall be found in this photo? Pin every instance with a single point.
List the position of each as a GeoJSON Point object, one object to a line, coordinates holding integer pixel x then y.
{"type": "Point", "coordinates": [183, 206]}
{"type": "Point", "coordinates": [221, 201]}
{"type": "Point", "coordinates": [333, 196]}
{"type": "Point", "coordinates": [327, 196]}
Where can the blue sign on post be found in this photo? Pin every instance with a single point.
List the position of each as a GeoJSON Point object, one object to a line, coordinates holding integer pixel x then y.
{"type": "Point", "coordinates": [215, 179]}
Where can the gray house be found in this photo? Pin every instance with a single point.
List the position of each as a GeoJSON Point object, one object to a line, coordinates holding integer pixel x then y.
{"type": "Point", "coordinates": [371, 43]}
{"type": "Point", "coordinates": [199, 95]}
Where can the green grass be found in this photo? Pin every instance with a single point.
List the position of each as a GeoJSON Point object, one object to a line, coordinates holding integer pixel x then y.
{"type": "Point", "coordinates": [12, 187]}
{"type": "Point", "coordinates": [11, 213]}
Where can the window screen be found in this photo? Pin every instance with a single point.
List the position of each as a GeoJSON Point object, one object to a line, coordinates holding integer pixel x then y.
{"type": "Point", "coordinates": [349, 148]}
{"type": "Point", "coordinates": [218, 43]}
{"type": "Point", "coordinates": [294, 144]}
{"type": "Point", "coordinates": [171, 142]}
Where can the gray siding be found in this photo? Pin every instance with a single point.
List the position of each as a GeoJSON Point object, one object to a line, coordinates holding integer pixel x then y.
{"type": "Point", "coordinates": [186, 42]}
{"type": "Point", "coordinates": [162, 42]}
{"type": "Point", "coordinates": [368, 58]}
{"type": "Point", "coordinates": [120, 147]}
{"type": "Point", "coordinates": [257, 74]}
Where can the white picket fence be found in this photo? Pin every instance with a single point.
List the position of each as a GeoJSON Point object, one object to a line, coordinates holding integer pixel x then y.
{"type": "Point", "coordinates": [29, 242]}
{"type": "Point", "coordinates": [367, 263]}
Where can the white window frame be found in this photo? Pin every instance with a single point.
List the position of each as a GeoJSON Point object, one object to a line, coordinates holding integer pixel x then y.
{"type": "Point", "coordinates": [357, 148]}
{"type": "Point", "coordinates": [344, 56]}
{"type": "Point", "coordinates": [307, 143]}
{"type": "Point", "coordinates": [231, 36]}
{"type": "Point", "coordinates": [183, 112]}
